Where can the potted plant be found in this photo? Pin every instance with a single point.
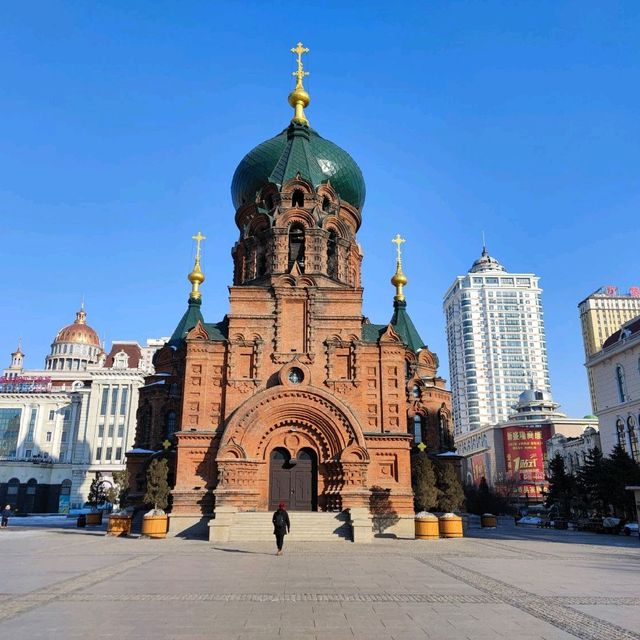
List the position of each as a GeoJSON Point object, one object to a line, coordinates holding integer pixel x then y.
{"type": "Point", "coordinates": [154, 522]}
{"type": "Point", "coordinates": [425, 492]}
{"type": "Point", "coordinates": [96, 496]}
{"type": "Point", "coordinates": [120, 521]}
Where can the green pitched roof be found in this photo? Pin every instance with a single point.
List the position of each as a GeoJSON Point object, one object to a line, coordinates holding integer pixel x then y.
{"type": "Point", "coordinates": [372, 332]}
{"type": "Point", "coordinates": [404, 327]}
{"type": "Point", "coordinates": [298, 149]}
{"type": "Point", "coordinates": [187, 322]}
{"type": "Point", "coordinates": [217, 331]}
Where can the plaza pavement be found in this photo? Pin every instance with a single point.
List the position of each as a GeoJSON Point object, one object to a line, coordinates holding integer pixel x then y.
{"type": "Point", "coordinates": [507, 583]}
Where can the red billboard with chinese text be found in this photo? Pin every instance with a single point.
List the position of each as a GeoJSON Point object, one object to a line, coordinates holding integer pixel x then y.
{"type": "Point", "coordinates": [479, 467]}
{"type": "Point", "coordinates": [524, 456]}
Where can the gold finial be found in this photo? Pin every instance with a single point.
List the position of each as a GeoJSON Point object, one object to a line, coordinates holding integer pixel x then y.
{"type": "Point", "coordinates": [299, 98]}
{"type": "Point", "coordinates": [196, 277]}
{"type": "Point", "coordinates": [399, 280]}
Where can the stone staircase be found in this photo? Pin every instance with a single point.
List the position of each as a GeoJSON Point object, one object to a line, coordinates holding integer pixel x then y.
{"type": "Point", "coordinates": [305, 525]}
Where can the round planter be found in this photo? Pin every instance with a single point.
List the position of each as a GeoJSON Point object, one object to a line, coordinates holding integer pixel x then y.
{"type": "Point", "coordinates": [155, 526]}
{"type": "Point", "coordinates": [488, 521]}
{"type": "Point", "coordinates": [94, 518]}
{"type": "Point", "coordinates": [427, 528]}
{"type": "Point", "coordinates": [119, 526]}
{"type": "Point", "coordinates": [450, 525]}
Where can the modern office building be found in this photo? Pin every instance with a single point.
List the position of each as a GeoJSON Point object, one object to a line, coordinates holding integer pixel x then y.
{"type": "Point", "coordinates": [602, 314]}
{"type": "Point", "coordinates": [496, 339]}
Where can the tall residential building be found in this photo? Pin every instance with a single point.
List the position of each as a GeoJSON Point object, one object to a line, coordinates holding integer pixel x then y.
{"type": "Point", "coordinates": [497, 345]}
{"type": "Point", "coordinates": [602, 314]}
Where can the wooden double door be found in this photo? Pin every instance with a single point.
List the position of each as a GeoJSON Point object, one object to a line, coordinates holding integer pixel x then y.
{"type": "Point", "coordinates": [293, 481]}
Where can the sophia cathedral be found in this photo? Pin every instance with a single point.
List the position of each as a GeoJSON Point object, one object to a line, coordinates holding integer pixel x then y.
{"type": "Point", "coordinates": [294, 396]}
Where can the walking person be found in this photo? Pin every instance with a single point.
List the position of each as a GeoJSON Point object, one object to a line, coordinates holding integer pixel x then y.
{"type": "Point", "coordinates": [6, 512]}
{"type": "Point", "coordinates": [281, 526]}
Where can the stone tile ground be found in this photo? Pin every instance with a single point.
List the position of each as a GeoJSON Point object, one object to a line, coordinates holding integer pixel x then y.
{"type": "Point", "coordinates": [509, 583]}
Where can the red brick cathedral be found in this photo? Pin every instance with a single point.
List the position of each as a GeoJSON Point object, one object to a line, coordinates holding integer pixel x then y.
{"type": "Point", "coordinates": [294, 396]}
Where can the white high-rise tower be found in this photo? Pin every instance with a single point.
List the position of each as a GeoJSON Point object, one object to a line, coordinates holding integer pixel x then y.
{"type": "Point", "coordinates": [497, 345]}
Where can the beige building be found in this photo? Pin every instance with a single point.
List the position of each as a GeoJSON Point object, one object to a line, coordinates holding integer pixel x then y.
{"type": "Point", "coordinates": [62, 424]}
{"type": "Point", "coordinates": [574, 450]}
{"type": "Point", "coordinates": [601, 314]}
{"type": "Point", "coordinates": [615, 371]}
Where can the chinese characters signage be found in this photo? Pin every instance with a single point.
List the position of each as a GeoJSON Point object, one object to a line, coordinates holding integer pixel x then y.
{"type": "Point", "coordinates": [525, 451]}
{"type": "Point", "coordinates": [24, 385]}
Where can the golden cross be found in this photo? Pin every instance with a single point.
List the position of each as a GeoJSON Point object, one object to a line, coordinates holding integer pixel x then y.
{"type": "Point", "coordinates": [299, 49]}
{"type": "Point", "coordinates": [198, 238]}
{"type": "Point", "coordinates": [398, 241]}
{"type": "Point", "coordinates": [422, 446]}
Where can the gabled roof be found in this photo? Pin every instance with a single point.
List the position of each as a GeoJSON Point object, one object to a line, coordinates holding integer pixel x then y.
{"type": "Point", "coordinates": [404, 326]}
{"type": "Point", "coordinates": [132, 349]}
{"type": "Point", "coordinates": [217, 331]}
{"type": "Point", "coordinates": [372, 332]}
{"type": "Point", "coordinates": [189, 320]}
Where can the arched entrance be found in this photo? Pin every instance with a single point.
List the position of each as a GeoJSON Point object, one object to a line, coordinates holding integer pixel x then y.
{"type": "Point", "coordinates": [293, 481]}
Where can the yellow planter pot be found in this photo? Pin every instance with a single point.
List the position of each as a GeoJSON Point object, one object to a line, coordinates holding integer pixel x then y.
{"type": "Point", "coordinates": [119, 526]}
{"type": "Point", "coordinates": [94, 519]}
{"type": "Point", "coordinates": [488, 521]}
{"type": "Point", "coordinates": [450, 526]}
{"type": "Point", "coordinates": [155, 526]}
{"type": "Point", "coordinates": [427, 528]}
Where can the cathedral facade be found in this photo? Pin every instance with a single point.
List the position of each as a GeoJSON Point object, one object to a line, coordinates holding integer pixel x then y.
{"type": "Point", "coordinates": [294, 396]}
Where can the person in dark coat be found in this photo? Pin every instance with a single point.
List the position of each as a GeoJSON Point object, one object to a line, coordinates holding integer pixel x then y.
{"type": "Point", "coordinates": [6, 512]}
{"type": "Point", "coordinates": [281, 526]}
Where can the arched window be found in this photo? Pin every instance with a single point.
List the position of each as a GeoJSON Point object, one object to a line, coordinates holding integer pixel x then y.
{"type": "Point", "coordinates": [417, 429]}
{"type": "Point", "coordinates": [415, 392]}
{"type": "Point", "coordinates": [326, 204]}
{"type": "Point", "coordinates": [332, 262]}
{"type": "Point", "coordinates": [296, 245]}
{"type": "Point", "coordinates": [170, 423]}
{"type": "Point", "coordinates": [261, 261]}
{"type": "Point", "coordinates": [620, 434]}
{"type": "Point", "coordinates": [12, 487]}
{"type": "Point", "coordinates": [622, 386]}
{"type": "Point", "coordinates": [297, 199]}
{"type": "Point", "coordinates": [144, 424]}
{"type": "Point", "coordinates": [268, 202]}
{"type": "Point", "coordinates": [633, 438]}
{"type": "Point", "coordinates": [65, 488]}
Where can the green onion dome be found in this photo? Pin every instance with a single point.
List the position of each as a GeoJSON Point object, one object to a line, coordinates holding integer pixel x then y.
{"type": "Point", "coordinates": [298, 149]}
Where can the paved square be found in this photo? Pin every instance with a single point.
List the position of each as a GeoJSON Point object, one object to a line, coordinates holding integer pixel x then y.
{"type": "Point", "coordinates": [507, 583]}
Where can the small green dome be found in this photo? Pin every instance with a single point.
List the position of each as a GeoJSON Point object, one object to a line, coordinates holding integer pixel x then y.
{"type": "Point", "coordinates": [298, 149]}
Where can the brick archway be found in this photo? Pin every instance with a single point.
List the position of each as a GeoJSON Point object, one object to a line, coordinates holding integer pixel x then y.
{"type": "Point", "coordinates": [293, 418]}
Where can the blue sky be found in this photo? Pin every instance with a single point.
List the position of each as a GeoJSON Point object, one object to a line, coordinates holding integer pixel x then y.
{"type": "Point", "coordinates": [121, 124]}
